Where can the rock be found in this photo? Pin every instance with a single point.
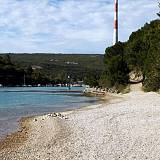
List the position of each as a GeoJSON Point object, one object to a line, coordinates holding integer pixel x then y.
{"type": "Point", "coordinates": [54, 115]}
{"type": "Point", "coordinates": [136, 76]}
{"type": "Point", "coordinates": [35, 119]}
{"type": "Point", "coordinates": [65, 117]}
{"type": "Point", "coordinates": [59, 115]}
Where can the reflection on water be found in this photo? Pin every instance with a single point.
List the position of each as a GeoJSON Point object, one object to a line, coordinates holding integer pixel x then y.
{"type": "Point", "coordinates": [18, 102]}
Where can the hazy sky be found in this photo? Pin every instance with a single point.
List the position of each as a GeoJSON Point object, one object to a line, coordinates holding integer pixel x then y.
{"type": "Point", "coordinates": [68, 26]}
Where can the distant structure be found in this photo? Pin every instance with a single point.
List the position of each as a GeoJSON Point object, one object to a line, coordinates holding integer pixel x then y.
{"type": "Point", "coordinates": [115, 34]}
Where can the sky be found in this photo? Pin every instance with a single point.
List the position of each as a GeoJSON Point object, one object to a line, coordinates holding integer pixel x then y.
{"type": "Point", "coordinates": [68, 26]}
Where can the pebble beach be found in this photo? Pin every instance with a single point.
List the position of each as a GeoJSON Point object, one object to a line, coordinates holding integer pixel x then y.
{"type": "Point", "coordinates": [125, 127]}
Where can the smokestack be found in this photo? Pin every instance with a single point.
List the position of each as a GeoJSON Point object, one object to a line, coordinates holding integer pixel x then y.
{"type": "Point", "coordinates": [115, 35]}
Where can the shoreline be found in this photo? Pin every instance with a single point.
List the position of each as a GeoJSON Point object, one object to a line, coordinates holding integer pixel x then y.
{"type": "Point", "coordinates": [15, 139]}
{"type": "Point", "coordinates": [19, 137]}
{"type": "Point", "coordinates": [17, 119]}
{"type": "Point", "coordinates": [126, 127]}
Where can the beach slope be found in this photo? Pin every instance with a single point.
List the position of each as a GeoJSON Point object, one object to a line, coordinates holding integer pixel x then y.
{"type": "Point", "coordinates": [126, 128]}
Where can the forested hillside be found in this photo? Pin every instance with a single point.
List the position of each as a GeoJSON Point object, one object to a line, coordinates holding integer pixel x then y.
{"type": "Point", "coordinates": [141, 53]}
{"type": "Point", "coordinates": [48, 68]}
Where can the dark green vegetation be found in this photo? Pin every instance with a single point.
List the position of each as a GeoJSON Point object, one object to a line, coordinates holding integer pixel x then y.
{"type": "Point", "coordinates": [48, 68]}
{"type": "Point", "coordinates": [141, 53]}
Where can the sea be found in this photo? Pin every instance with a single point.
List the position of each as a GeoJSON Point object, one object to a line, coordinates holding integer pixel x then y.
{"type": "Point", "coordinates": [17, 102]}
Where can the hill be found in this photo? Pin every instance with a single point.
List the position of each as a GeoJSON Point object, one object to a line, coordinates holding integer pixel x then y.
{"type": "Point", "coordinates": [55, 68]}
{"type": "Point", "coordinates": [141, 54]}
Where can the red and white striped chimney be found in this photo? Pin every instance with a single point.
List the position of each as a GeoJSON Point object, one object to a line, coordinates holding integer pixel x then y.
{"type": "Point", "coordinates": [115, 35]}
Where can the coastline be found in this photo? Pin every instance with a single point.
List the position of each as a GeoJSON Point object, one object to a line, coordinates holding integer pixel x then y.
{"type": "Point", "coordinates": [126, 127]}
{"type": "Point", "coordinates": [17, 139]}
{"type": "Point", "coordinates": [12, 112]}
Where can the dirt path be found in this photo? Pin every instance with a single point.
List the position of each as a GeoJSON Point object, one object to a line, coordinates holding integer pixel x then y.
{"type": "Point", "coordinates": [136, 87]}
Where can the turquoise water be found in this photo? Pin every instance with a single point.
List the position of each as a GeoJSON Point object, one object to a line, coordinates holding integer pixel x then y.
{"type": "Point", "coordinates": [20, 102]}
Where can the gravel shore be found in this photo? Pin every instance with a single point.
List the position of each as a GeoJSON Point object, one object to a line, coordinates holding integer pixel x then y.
{"type": "Point", "coordinates": [126, 128]}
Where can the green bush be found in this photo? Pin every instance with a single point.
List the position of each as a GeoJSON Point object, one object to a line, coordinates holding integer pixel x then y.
{"type": "Point", "coordinates": [117, 71]}
{"type": "Point", "coordinates": [141, 52]}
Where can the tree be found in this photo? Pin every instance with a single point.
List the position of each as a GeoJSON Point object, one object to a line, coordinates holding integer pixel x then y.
{"type": "Point", "coordinates": [117, 71]}
{"type": "Point", "coordinates": [140, 53]}
{"type": "Point", "coordinates": [7, 59]}
{"type": "Point", "coordinates": [91, 79]}
{"type": "Point", "coordinates": [152, 70]}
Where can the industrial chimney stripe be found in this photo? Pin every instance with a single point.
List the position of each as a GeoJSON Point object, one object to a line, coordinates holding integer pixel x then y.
{"type": "Point", "coordinates": [115, 36]}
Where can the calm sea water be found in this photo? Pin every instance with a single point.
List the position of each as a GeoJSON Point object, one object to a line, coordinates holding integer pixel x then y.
{"type": "Point", "coordinates": [19, 102]}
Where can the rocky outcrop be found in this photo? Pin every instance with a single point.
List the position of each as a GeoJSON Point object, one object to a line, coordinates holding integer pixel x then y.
{"type": "Point", "coordinates": [135, 76]}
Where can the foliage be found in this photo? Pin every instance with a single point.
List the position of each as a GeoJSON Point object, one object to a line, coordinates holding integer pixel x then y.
{"type": "Point", "coordinates": [152, 70]}
{"type": "Point", "coordinates": [8, 72]}
{"type": "Point", "coordinates": [141, 52]}
{"type": "Point", "coordinates": [146, 54]}
{"type": "Point", "coordinates": [49, 68]}
{"type": "Point", "coordinates": [92, 79]}
{"type": "Point", "coordinates": [116, 68]}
